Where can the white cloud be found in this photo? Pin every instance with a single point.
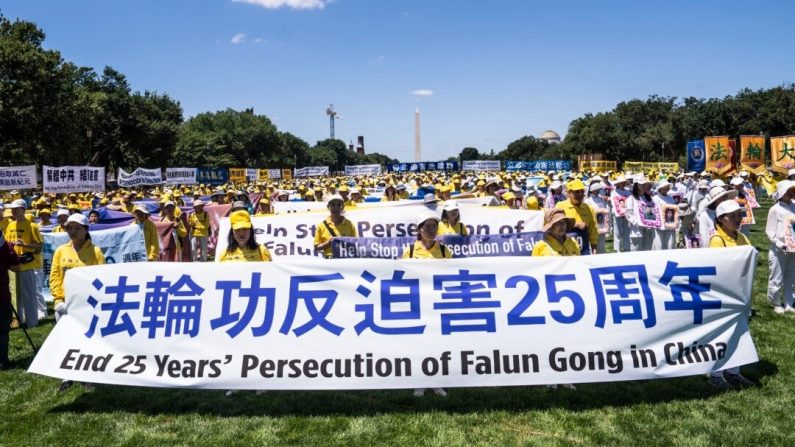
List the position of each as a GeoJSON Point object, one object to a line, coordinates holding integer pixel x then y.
{"type": "Point", "coordinates": [422, 92]}
{"type": "Point", "coordinates": [238, 38]}
{"type": "Point", "coordinates": [292, 4]}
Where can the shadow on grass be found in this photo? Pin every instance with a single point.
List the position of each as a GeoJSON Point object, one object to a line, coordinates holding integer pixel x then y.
{"type": "Point", "coordinates": [157, 401]}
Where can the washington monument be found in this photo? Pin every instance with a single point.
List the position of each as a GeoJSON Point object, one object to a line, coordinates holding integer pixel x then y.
{"type": "Point", "coordinates": [417, 144]}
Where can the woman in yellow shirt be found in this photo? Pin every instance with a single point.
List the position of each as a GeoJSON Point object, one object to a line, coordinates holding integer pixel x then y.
{"type": "Point", "coordinates": [426, 247]}
{"type": "Point", "coordinates": [78, 252]}
{"type": "Point", "coordinates": [451, 220]}
{"type": "Point", "coordinates": [241, 241]}
{"type": "Point", "coordinates": [178, 231]}
{"type": "Point", "coordinates": [199, 222]}
{"type": "Point", "coordinates": [729, 217]}
{"type": "Point", "coordinates": [151, 238]}
{"type": "Point", "coordinates": [555, 242]}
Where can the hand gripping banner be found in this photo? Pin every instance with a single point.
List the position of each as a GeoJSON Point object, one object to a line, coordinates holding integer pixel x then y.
{"type": "Point", "coordinates": [308, 324]}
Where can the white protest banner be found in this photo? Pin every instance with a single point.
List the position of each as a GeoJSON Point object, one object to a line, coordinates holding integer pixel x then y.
{"type": "Point", "coordinates": [363, 170]}
{"type": "Point", "coordinates": [63, 179]}
{"type": "Point", "coordinates": [481, 165]}
{"type": "Point", "coordinates": [308, 324]}
{"type": "Point", "coordinates": [118, 245]}
{"type": "Point", "coordinates": [293, 234]}
{"type": "Point", "coordinates": [311, 171]}
{"type": "Point", "coordinates": [252, 174]}
{"type": "Point", "coordinates": [181, 176]}
{"type": "Point", "coordinates": [274, 173]}
{"type": "Point", "coordinates": [140, 176]}
{"type": "Point", "coordinates": [301, 206]}
{"type": "Point", "coordinates": [17, 177]}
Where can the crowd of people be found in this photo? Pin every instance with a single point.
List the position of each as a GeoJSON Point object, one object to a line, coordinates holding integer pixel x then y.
{"type": "Point", "coordinates": [640, 211]}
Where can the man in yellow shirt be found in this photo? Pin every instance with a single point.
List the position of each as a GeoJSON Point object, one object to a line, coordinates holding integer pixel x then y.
{"type": "Point", "coordinates": [583, 215]}
{"type": "Point", "coordinates": [336, 225]}
{"type": "Point", "coordinates": [151, 238]}
{"type": "Point", "coordinates": [27, 242]}
{"type": "Point", "coordinates": [199, 223]}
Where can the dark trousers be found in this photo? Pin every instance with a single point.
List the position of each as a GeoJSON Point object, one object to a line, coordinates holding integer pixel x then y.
{"type": "Point", "coordinates": [5, 327]}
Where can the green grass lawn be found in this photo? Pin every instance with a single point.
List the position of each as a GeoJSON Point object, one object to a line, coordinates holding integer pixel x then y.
{"type": "Point", "coordinates": [684, 411]}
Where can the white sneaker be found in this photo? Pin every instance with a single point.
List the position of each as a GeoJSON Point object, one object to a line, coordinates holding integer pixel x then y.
{"type": "Point", "coordinates": [231, 392]}
{"type": "Point", "coordinates": [440, 392]}
{"type": "Point", "coordinates": [789, 309]}
{"type": "Point", "coordinates": [261, 392]}
{"type": "Point", "coordinates": [552, 387]}
{"type": "Point", "coordinates": [419, 392]}
{"type": "Point", "coordinates": [569, 386]}
{"type": "Point", "coordinates": [779, 310]}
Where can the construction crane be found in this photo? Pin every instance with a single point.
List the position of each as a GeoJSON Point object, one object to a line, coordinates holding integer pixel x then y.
{"type": "Point", "coordinates": [332, 115]}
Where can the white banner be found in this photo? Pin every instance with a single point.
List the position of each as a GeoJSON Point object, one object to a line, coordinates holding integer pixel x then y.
{"type": "Point", "coordinates": [63, 179]}
{"type": "Point", "coordinates": [274, 173]}
{"type": "Point", "coordinates": [181, 176]}
{"type": "Point", "coordinates": [118, 245]}
{"type": "Point", "coordinates": [252, 174]}
{"type": "Point", "coordinates": [363, 170]}
{"type": "Point", "coordinates": [481, 165]}
{"type": "Point", "coordinates": [314, 324]}
{"type": "Point", "coordinates": [301, 206]}
{"type": "Point", "coordinates": [140, 176]}
{"type": "Point", "coordinates": [293, 234]}
{"type": "Point", "coordinates": [311, 171]}
{"type": "Point", "coordinates": [17, 177]}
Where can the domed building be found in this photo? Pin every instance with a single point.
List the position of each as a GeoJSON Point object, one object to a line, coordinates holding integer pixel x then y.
{"type": "Point", "coordinates": [551, 136]}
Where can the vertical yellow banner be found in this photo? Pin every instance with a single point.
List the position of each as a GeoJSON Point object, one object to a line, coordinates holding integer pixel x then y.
{"type": "Point", "coordinates": [262, 175]}
{"type": "Point", "coordinates": [752, 153]}
{"type": "Point", "coordinates": [287, 174]}
{"type": "Point", "coordinates": [782, 153]}
{"type": "Point", "coordinates": [237, 175]}
{"type": "Point", "coordinates": [719, 154]}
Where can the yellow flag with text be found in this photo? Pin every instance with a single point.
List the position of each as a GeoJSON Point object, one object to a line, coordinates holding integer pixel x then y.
{"type": "Point", "coordinates": [719, 154]}
{"type": "Point", "coordinates": [782, 153]}
{"type": "Point", "coordinates": [752, 153]}
{"type": "Point", "coordinates": [237, 175]}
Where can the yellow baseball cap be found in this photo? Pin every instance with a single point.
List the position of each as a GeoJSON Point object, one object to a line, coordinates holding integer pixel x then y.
{"type": "Point", "coordinates": [240, 219]}
{"type": "Point", "coordinates": [575, 185]}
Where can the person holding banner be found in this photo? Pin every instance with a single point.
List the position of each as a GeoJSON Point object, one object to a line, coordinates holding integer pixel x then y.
{"type": "Point", "coordinates": [61, 216]}
{"type": "Point", "coordinates": [599, 206]}
{"type": "Point", "coordinates": [451, 220]}
{"type": "Point", "coordinates": [78, 252]}
{"type": "Point", "coordinates": [242, 242]}
{"type": "Point", "coordinates": [727, 234]}
{"type": "Point", "coordinates": [264, 207]}
{"type": "Point", "coordinates": [664, 238]}
{"type": "Point", "coordinates": [706, 217]}
{"type": "Point", "coordinates": [555, 242]}
{"type": "Point", "coordinates": [618, 201]}
{"type": "Point", "coordinates": [173, 252]}
{"type": "Point", "coordinates": [8, 261]}
{"type": "Point", "coordinates": [151, 238]}
{"type": "Point", "coordinates": [641, 235]}
{"type": "Point", "coordinates": [27, 242]}
{"type": "Point", "coordinates": [583, 215]}
{"type": "Point", "coordinates": [199, 223]}
{"type": "Point", "coordinates": [336, 225]}
{"type": "Point", "coordinates": [390, 194]}
{"type": "Point", "coordinates": [781, 254]}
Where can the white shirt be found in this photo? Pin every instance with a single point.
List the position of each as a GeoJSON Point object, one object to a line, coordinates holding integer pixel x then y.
{"type": "Point", "coordinates": [778, 222]}
{"type": "Point", "coordinates": [661, 200]}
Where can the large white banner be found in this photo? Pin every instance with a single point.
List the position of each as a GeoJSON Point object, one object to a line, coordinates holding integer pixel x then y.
{"type": "Point", "coordinates": [294, 234]}
{"type": "Point", "coordinates": [63, 179]}
{"type": "Point", "coordinates": [311, 171]}
{"type": "Point", "coordinates": [315, 324]}
{"type": "Point", "coordinates": [363, 170]}
{"type": "Point", "coordinates": [302, 206]}
{"type": "Point", "coordinates": [18, 177]}
{"type": "Point", "coordinates": [181, 176]}
{"type": "Point", "coordinates": [140, 176]}
{"type": "Point", "coordinates": [481, 165]}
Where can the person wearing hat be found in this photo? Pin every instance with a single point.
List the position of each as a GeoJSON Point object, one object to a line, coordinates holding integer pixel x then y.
{"type": "Point", "coordinates": [60, 217]}
{"type": "Point", "coordinates": [618, 198]}
{"type": "Point", "coordinates": [451, 220]}
{"type": "Point", "coordinates": [27, 242]}
{"type": "Point", "coordinates": [309, 196]}
{"type": "Point", "coordinates": [173, 251]}
{"type": "Point", "coordinates": [335, 225]}
{"type": "Point", "coordinates": [554, 195]}
{"type": "Point", "coordinates": [600, 206]}
{"type": "Point", "coordinates": [742, 198]}
{"type": "Point", "coordinates": [583, 215]}
{"type": "Point", "coordinates": [356, 196]}
{"type": "Point", "coordinates": [664, 238]}
{"type": "Point", "coordinates": [127, 204]}
{"type": "Point", "coordinates": [151, 238]}
{"type": "Point", "coordinates": [531, 200]}
{"type": "Point", "coordinates": [705, 219]}
{"type": "Point", "coordinates": [264, 207]}
{"type": "Point", "coordinates": [555, 242]}
{"type": "Point", "coordinates": [727, 234]}
{"type": "Point", "coordinates": [242, 244]}
{"type": "Point", "coordinates": [781, 261]}
{"type": "Point", "coordinates": [641, 234]}
{"type": "Point", "coordinates": [44, 218]}
{"type": "Point", "coordinates": [390, 194]}
{"type": "Point", "coordinates": [199, 229]}
{"type": "Point", "coordinates": [402, 191]}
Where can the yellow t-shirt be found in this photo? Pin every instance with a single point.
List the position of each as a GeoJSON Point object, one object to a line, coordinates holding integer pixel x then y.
{"type": "Point", "coordinates": [435, 252]}
{"type": "Point", "coordinates": [459, 228]}
{"type": "Point", "coordinates": [65, 258]}
{"type": "Point", "coordinates": [322, 234]}
{"type": "Point", "coordinates": [29, 234]}
{"type": "Point", "coordinates": [151, 240]}
{"type": "Point", "coordinates": [581, 213]}
{"type": "Point", "coordinates": [247, 255]}
{"type": "Point", "coordinates": [720, 239]}
{"type": "Point", "coordinates": [549, 246]}
{"type": "Point", "coordinates": [200, 222]}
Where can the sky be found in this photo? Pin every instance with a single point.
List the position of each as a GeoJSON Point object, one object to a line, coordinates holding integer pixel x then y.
{"type": "Point", "coordinates": [482, 72]}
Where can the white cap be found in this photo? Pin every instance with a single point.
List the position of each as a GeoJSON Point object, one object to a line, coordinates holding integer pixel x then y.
{"type": "Point", "coordinates": [168, 203]}
{"type": "Point", "coordinates": [555, 185]}
{"type": "Point", "coordinates": [355, 191]}
{"type": "Point", "coordinates": [743, 173]}
{"type": "Point", "coordinates": [426, 215]}
{"type": "Point", "coordinates": [62, 212]}
{"type": "Point", "coordinates": [717, 182]}
{"type": "Point", "coordinates": [336, 197]}
{"type": "Point", "coordinates": [77, 218]}
{"type": "Point", "coordinates": [198, 202]}
{"type": "Point", "coordinates": [400, 186]}
{"type": "Point", "coordinates": [19, 203]}
{"type": "Point", "coordinates": [450, 205]}
{"type": "Point", "coordinates": [619, 179]}
{"type": "Point", "coordinates": [703, 183]}
{"type": "Point", "coordinates": [736, 181]}
{"type": "Point", "coordinates": [429, 198]}
{"type": "Point", "coordinates": [663, 184]}
{"type": "Point", "coordinates": [782, 187]}
{"type": "Point", "coordinates": [791, 172]}
{"type": "Point", "coordinates": [640, 179]}
{"type": "Point", "coordinates": [596, 186]}
{"type": "Point", "coordinates": [726, 207]}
